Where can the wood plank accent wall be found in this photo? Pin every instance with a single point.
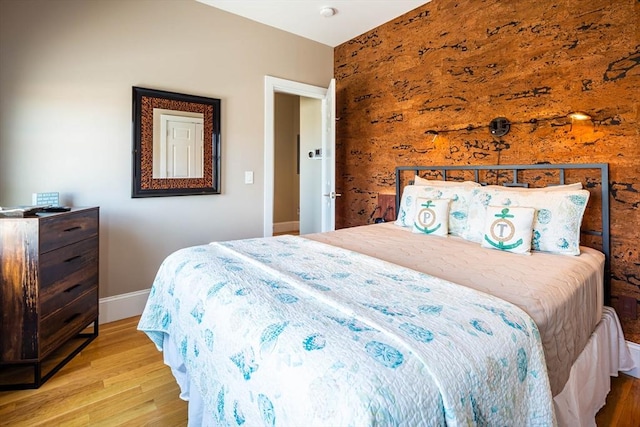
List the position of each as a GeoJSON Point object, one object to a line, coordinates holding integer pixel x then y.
{"type": "Point", "coordinates": [451, 64]}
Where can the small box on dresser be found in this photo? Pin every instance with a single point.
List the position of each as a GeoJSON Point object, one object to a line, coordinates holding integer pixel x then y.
{"type": "Point", "coordinates": [49, 289]}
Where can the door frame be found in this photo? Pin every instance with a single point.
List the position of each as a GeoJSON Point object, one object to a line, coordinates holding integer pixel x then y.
{"type": "Point", "coordinates": [273, 85]}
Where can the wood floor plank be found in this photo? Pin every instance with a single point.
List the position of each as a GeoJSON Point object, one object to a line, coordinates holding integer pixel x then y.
{"type": "Point", "coordinates": [81, 421]}
{"type": "Point", "coordinates": [120, 380]}
{"type": "Point", "coordinates": [118, 409]}
{"type": "Point", "coordinates": [50, 403]}
{"type": "Point", "coordinates": [623, 403]}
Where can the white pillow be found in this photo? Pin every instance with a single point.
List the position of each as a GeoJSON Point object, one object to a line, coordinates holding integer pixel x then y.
{"type": "Point", "coordinates": [563, 187]}
{"type": "Point", "coordinates": [431, 216]}
{"type": "Point", "coordinates": [460, 196]}
{"type": "Point", "coordinates": [556, 225]}
{"type": "Point", "coordinates": [418, 180]}
{"type": "Point", "coordinates": [508, 229]}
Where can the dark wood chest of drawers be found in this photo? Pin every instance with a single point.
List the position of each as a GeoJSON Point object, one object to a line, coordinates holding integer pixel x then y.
{"type": "Point", "coordinates": [48, 287]}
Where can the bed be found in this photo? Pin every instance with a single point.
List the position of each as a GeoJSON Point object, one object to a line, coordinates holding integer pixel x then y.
{"type": "Point", "coordinates": [435, 319]}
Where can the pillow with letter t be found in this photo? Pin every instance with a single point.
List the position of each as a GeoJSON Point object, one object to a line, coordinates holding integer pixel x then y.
{"type": "Point", "coordinates": [508, 229]}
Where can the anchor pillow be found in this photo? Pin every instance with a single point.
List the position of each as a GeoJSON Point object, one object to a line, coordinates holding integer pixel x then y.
{"type": "Point", "coordinates": [460, 196]}
{"type": "Point", "coordinates": [431, 216]}
{"type": "Point", "coordinates": [508, 228]}
{"type": "Point", "coordinates": [556, 226]}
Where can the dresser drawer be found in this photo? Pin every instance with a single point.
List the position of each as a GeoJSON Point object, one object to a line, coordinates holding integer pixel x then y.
{"type": "Point", "coordinates": [62, 230]}
{"type": "Point", "coordinates": [66, 273]}
{"type": "Point", "coordinates": [68, 321]}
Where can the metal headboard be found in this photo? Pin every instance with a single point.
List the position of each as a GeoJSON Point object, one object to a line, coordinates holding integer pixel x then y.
{"type": "Point", "coordinates": [603, 233]}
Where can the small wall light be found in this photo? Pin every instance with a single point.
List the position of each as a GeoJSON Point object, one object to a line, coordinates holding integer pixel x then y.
{"type": "Point", "coordinates": [434, 133]}
{"type": "Point", "coordinates": [578, 115]}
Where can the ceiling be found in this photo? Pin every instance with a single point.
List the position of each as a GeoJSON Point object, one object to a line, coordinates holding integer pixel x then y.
{"type": "Point", "coordinates": [302, 17]}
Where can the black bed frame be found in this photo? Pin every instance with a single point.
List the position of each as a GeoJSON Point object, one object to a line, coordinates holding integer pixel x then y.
{"type": "Point", "coordinates": [513, 170]}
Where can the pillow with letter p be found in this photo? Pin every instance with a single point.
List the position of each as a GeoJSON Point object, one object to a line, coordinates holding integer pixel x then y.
{"type": "Point", "coordinates": [431, 216]}
{"type": "Point", "coordinates": [460, 196]}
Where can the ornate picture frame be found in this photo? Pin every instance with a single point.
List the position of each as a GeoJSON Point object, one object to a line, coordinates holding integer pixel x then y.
{"type": "Point", "coordinates": [149, 105]}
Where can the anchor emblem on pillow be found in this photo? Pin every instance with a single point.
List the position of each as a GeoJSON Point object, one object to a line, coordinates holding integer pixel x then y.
{"type": "Point", "coordinates": [502, 231]}
{"type": "Point", "coordinates": [426, 217]}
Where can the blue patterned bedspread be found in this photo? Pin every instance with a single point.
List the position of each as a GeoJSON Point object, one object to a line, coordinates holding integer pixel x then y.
{"type": "Point", "coordinates": [285, 331]}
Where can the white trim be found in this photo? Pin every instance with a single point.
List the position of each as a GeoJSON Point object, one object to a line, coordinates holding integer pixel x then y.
{"type": "Point", "coordinates": [122, 306]}
{"type": "Point", "coordinates": [271, 86]}
{"type": "Point", "coordinates": [283, 227]}
{"type": "Point", "coordinates": [328, 172]}
{"type": "Point", "coordinates": [634, 349]}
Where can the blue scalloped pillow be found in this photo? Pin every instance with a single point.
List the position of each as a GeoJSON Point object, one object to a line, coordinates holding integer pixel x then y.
{"type": "Point", "coordinates": [460, 196]}
{"type": "Point", "coordinates": [556, 224]}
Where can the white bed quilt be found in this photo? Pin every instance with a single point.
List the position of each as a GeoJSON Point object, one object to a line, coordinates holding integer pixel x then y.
{"type": "Point", "coordinates": [286, 331]}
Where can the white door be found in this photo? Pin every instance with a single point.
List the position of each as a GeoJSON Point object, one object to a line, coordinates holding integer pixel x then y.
{"type": "Point", "coordinates": [273, 85]}
{"type": "Point", "coordinates": [329, 159]}
{"type": "Point", "coordinates": [181, 147]}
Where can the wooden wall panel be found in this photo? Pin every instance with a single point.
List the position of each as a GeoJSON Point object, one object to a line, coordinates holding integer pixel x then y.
{"type": "Point", "coordinates": [451, 64]}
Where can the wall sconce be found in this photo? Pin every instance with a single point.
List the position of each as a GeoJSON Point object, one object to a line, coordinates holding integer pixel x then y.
{"type": "Point", "coordinates": [500, 126]}
{"type": "Point", "coordinates": [579, 115]}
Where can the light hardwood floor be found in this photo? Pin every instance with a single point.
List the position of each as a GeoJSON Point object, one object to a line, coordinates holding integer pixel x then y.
{"type": "Point", "coordinates": [120, 380]}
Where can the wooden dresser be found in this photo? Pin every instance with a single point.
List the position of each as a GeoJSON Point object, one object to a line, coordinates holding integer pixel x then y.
{"type": "Point", "coordinates": [48, 291]}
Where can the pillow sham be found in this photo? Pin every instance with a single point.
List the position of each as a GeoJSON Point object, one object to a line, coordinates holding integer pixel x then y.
{"type": "Point", "coordinates": [508, 229]}
{"type": "Point", "coordinates": [460, 196]}
{"type": "Point", "coordinates": [418, 180]}
{"type": "Point", "coordinates": [560, 187]}
{"type": "Point", "coordinates": [431, 216]}
{"type": "Point", "coordinates": [557, 221]}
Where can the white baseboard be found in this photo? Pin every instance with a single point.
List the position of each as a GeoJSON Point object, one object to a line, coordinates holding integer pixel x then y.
{"type": "Point", "coordinates": [283, 227]}
{"type": "Point", "coordinates": [635, 355]}
{"type": "Point", "coordinates": [122, 306]}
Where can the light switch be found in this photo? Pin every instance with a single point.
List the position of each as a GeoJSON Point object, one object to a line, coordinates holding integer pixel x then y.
{"type": "Point", "coordinates": [248, 177]}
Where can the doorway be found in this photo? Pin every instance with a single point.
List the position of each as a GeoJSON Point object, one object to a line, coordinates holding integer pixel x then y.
{"type": "Point", "coordinates": [297, 200]}
{"type": "Point", "coordinates": [325, 184]}
{"type": "Point", "coordinates": [286, 190]}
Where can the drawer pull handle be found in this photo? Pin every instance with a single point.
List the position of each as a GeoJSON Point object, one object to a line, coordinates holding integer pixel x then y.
{"type": "Point", "coordinates": [77, 227]}
{"type": "Point", "coordinates": [73, 316]}
{"type": "Point", "coordinates": [73, 258]}
{"type": "Point", "coordinates": [77, 285]}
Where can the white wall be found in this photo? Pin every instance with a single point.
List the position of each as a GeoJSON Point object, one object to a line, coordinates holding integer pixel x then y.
{"type": "Point", "coordinates": [67, 68]}
{"type": "Point", "coordinates": [310, 169]}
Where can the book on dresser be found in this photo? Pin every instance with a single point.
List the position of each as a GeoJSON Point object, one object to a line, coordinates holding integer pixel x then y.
{"type": "Point", "coordinates": [48, 293]}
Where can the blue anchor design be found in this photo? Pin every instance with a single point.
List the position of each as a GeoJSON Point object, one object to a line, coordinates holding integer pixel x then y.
{"type": "Point", "coordinates": [425, 229]}
{"type": "Point", "coordinates": [502, 217]}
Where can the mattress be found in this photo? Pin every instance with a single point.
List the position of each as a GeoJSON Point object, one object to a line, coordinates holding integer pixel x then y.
{"type": "Point", "coordinates": [562, 294]}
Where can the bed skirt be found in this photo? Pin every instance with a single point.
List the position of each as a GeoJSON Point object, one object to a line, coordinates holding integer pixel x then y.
{"type": "Point", "coordinates": [589, 382]}
{"type": "Point", "coordinates": [584, 395]}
